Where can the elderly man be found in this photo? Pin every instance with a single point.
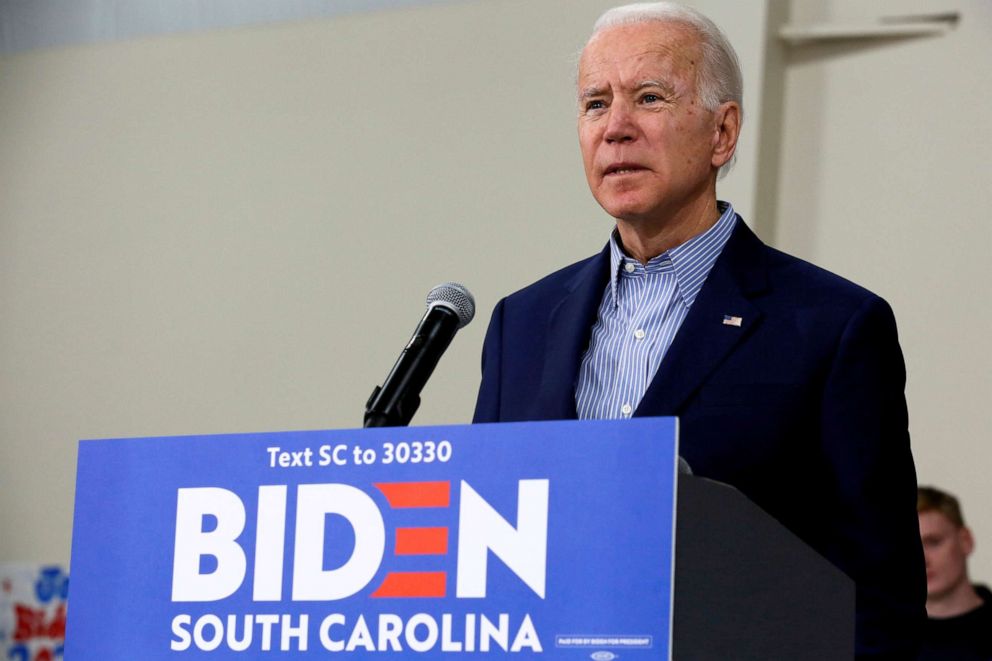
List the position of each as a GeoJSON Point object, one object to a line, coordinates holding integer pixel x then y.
{"type": "Point", "coordinates": [788, 380]}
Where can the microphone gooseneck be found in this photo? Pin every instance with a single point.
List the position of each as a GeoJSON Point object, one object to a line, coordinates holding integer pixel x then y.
{"type": "Point", "coordinates": [450, 306]}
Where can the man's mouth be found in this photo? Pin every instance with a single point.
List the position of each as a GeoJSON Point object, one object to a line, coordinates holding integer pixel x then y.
{"type": "Point", "coordinates": [623, 168]}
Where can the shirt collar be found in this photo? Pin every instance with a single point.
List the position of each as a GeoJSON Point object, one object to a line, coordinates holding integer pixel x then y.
{"type": "Point", "coordinates": [691, 261]}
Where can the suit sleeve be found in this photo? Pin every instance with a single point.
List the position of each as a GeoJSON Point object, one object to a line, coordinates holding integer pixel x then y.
{"type": "Point", "coordinates": [488, 403]}
{"type": "Point", "coordinates": [865, 437]}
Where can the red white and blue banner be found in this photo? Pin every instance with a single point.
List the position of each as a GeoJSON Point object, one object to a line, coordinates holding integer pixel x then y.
{"type": "Point", "coordinates": [551, 539]}
{"type": "Point", "coordinates": [32, 611]}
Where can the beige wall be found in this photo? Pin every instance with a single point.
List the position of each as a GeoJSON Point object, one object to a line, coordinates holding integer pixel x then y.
{"type": "Point", "coordinates": [234, 231]}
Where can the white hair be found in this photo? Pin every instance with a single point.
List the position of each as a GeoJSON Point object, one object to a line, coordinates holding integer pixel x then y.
{"type": "Point", "coordinates": [719, 79]}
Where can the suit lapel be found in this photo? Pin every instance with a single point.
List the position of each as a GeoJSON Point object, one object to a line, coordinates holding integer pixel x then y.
{"type": "Point", "coordinates": [569, 328]}
{"type": "Point", "coordinates": [704, 339]}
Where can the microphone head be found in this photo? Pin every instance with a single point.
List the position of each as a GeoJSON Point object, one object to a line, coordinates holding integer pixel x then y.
{"type": "Point", "coordinates": [454, 297]}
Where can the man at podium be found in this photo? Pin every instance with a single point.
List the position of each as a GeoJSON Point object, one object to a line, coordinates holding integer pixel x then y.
{"type": "Point", "coordinates": [788, 380]}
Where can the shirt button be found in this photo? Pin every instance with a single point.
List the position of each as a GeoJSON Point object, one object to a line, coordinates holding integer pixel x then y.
{"type": "Point", "coordinates": [639, 334]}
{"type": "Point", "coordinates": [629, 267]}
{"type": "Point", "coordinates": [626, 409]}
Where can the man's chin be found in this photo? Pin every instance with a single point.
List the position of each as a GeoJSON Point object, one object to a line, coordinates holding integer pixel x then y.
{"type": "Point", "coordinates": [632, 216]}
{"type": "Point", "coordinates": [938, 590]}
{"type": "Point", "coordinates": [629, 210]}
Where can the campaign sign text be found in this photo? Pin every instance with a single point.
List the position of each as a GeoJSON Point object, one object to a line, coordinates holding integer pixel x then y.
{"type": "Point", "coordinates": [549, 539]}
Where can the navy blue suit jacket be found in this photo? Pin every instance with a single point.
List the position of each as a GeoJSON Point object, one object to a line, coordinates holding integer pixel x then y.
{"type": "Point", "coordinates": [801, 407]}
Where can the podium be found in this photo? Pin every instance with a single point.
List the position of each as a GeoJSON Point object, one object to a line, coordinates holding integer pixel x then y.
{"type": "Point", "coordinates": [747, 588]}
{"type": "Point", "coordinates": [559, 540]}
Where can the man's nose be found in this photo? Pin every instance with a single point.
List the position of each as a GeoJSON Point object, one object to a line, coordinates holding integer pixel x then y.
{"type": "Point", "coordinates": [620, 126]}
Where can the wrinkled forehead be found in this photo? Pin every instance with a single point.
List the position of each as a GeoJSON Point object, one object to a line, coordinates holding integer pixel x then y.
{"type": "Point", "coordinates": [649, 47]}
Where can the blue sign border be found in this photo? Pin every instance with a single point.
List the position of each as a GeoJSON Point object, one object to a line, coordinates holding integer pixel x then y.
{"type": "Point", "coordinates": [610, 548]}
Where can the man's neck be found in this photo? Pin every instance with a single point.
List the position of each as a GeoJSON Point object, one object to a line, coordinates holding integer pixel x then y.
{"type": "Point", "coordinates": [958, 601]}
{"type": "Point", "coordinates": [643, 239]}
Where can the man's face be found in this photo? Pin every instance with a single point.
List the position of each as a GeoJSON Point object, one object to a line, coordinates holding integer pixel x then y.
{"type": "Point", "coordinates": [946, 548]}
{"type": "Point", "coordinates": [648, 145]}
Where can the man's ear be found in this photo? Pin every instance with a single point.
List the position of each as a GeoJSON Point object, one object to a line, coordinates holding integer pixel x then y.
{"type": "Point", "coordinates": [966, 539]}
{"type": "Point", "coordinates": [726, 130]}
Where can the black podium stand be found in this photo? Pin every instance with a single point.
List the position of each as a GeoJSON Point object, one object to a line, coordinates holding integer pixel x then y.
{"type": "Point", "coordinates": [747, 588]}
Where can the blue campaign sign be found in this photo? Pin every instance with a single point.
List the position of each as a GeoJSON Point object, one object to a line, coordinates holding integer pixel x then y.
{"type": "Point", "coordinates": [550, 539]}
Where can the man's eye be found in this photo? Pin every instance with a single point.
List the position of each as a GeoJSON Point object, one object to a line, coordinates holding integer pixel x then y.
{"type": "Point", "coordinates": [650, 98]}
{"type": "Point", "coordinates": [594, 105]}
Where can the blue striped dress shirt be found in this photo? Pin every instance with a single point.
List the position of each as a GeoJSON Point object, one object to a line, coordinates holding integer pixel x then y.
{"type": "Point", "coordinates": [641, 311]}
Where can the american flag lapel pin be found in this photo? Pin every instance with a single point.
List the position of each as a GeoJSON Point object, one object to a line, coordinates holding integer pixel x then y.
{"type": "Point", "coordinates": [729, 320]}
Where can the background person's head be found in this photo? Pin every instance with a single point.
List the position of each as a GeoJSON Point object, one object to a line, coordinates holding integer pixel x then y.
{"type": "Point", "coordinates": [947, 543]}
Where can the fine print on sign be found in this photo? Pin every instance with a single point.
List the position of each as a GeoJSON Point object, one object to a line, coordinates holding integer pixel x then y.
{"type": "Point", "coordinates": [531, 539]}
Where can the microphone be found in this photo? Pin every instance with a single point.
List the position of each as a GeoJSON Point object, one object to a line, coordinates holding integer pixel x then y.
{"type": "Point", "coordinates": [449, 307]}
